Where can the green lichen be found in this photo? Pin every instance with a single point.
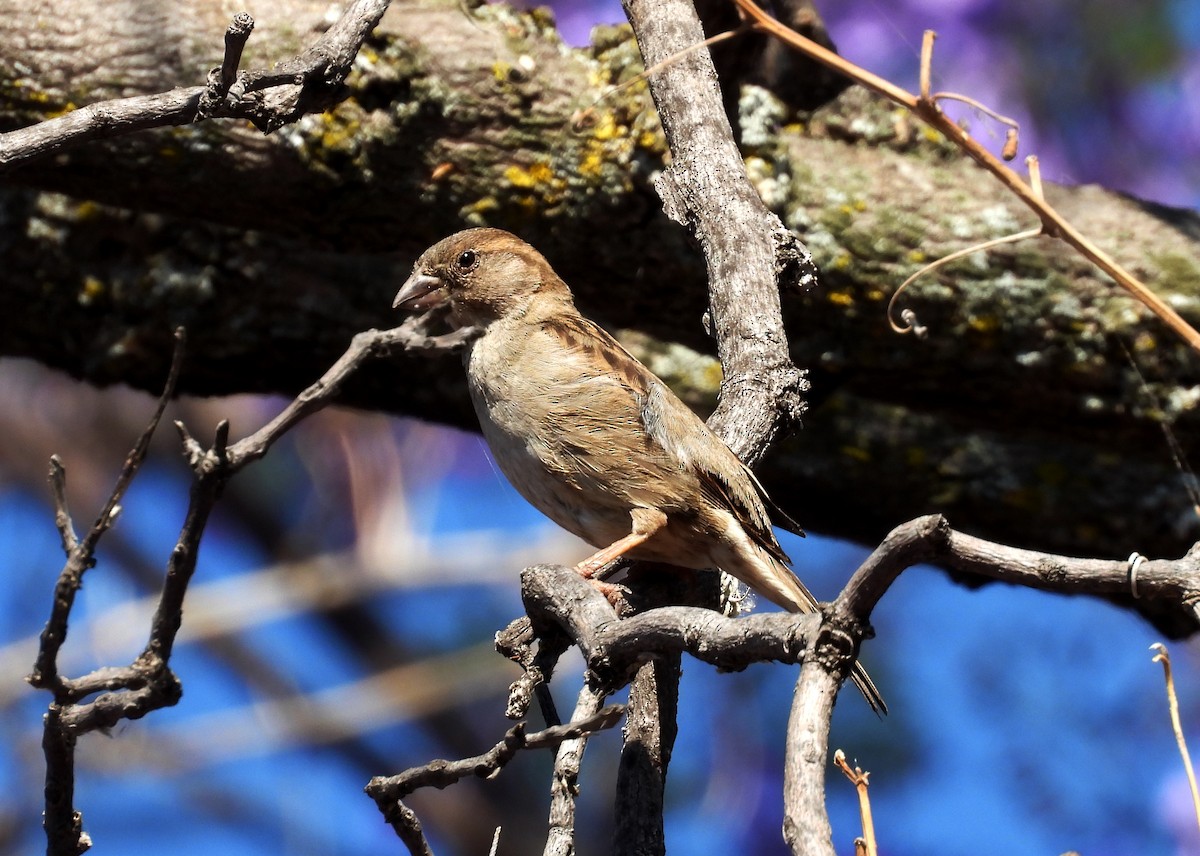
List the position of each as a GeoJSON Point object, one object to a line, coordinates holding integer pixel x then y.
{"type": "Point", "coordinates": [695, 377]}
{"type": "Point", "coordinates": [1178, 273]}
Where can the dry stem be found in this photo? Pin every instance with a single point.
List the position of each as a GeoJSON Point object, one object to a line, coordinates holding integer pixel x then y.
{"type": "Point", "coordinates": [925, 107]}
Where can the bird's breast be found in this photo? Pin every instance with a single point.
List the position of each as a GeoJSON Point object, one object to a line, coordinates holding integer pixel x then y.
{"type": "Point", "coordinates": [569, 439]}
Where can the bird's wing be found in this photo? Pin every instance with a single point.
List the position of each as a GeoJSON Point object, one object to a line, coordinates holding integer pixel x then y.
{"type": "Point", "coordinates": [723, 476]}
{"type": "Point", "coordinates": [680, 434]}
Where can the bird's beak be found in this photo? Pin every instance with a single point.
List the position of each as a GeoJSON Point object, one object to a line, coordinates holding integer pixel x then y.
{"type": "Point", "coordinates": [420, 292]}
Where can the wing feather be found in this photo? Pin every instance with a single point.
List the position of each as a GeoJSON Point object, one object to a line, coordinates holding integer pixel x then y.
{"type": "Point", "coordinates": [681, 435]}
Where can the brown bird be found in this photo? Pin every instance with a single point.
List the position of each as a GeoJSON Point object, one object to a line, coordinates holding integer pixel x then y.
{"type": "Point", "coordinates": [593, 438]}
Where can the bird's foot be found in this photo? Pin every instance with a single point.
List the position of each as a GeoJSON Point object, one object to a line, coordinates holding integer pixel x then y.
{"type": "Point", "coordinates": [613, 593]}
{"type": "Point", "coordinates": [588, 568]}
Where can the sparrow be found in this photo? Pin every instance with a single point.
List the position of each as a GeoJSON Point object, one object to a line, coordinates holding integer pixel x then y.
{"type": "Point", "coordinates": [590, 436]}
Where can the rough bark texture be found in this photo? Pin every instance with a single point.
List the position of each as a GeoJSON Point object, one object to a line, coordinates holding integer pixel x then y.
{"type": "Point", "coordinates": [1019, 416]}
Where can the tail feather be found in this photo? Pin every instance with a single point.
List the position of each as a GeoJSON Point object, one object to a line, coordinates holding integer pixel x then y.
{"type": "Point", "coordinates": [782, 587]}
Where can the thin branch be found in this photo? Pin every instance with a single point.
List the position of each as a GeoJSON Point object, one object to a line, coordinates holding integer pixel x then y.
{"type": "Point", "coordinates": [304, 84]}
{"type": "Point", "coordinates": [748, 252]}
{"type": "Point", "coordinates": [372, 344]}
{"type": "Point", "coordinates": [62, 512]}
{"type": "Point", "coordinates": [221, 78]}
{"type": "Point", "coordinates": [389, 792]}
{"type": "Point", "coordinates": [615, 649]}
{"type": "Point", "coordinates": [81, 554]}
{"type": "Point", "coordinates": [63, 824]}
{"type": "Point", "coordinates": [1162, 656]}
{"type": "Point", "coordinates": [861, 782]}
{"type": "Point", "coordinates": [516, 642]}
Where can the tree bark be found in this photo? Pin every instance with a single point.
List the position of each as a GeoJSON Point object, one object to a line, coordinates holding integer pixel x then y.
{"type": "Point", "coordinates": [1019, 416]}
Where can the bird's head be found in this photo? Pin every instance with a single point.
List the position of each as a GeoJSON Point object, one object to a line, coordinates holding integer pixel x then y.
{"type": "Point", "coordinates": [483, 275]}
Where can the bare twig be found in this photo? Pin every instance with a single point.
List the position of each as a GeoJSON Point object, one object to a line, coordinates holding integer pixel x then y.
{"type": "Point", "coordinates": [516, 642]}
{"type": "Point", "coordinates": [148, 683]}
{"type": "Point", "coordinates": [81, 554]}
{"type": "Point", "coordinates": [556, 597]}
{"type": "Point", "coordinates": [63, 824]}
{"type": "Point", "coordinates": [389, 792]}
{"type": "Point", "coordinates": [925, 107]}
{"type": "Point", "coordinates": [301, 85]}
{"type": "Point", "coordinates": [748, 252]}
{"type": "Point", "coordinates": [860, 781]}
{"type": "Point", "coordinates": [806, 826]}
{"type": "Point", "coordinates": [364, 346]}
{"type": "Point", "coordinates": [1162, 656]}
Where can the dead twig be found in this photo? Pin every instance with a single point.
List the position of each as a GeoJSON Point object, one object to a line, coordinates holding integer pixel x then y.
{"type": "Point", "coordinates": [389, 792]}
{"type": "Point", "coordinates": [926, 108]}
{"type": "Point", "coordinates": [1162, 656]}
{"type": "Point", "coordinates": [268, 99]}
{"type": "Point", "coordinates": [859, 778]}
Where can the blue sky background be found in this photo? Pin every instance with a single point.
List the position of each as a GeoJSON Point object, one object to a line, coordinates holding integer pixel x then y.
{"type": "Point", "coordinates": [1022, 723]}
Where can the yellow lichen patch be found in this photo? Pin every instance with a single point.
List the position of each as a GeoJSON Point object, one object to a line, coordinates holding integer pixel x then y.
{"type": "Point", "coordinates": [841, 298]}
{"type": "Point", "coordinates": [856, 453]}
{"type": "Point", "coordinates": [530, 177]}
{"type": "Point", "coordinates": [607, 128]}
{"type": "Point", "coordinates": [501, 71]}
{"type": "Point", "coordinates": [984, 323]}
{"type": "Point", "coordinates": [339, 133]}
{"type": "Point", "coordinates": [599, 76]}
{"type": "Point", "coordinates": [92, 289]}
{"type": "Point", "coordinates": [69, 107]}
{"type": "Point", "coordinates": [592, 163]}
{"type": "Point", "coordinates": [1144, 341]}
{"type": "Point", "coordinates": [86, 210]}
{"type": "Point", "coordinates": [474, 213]}
{"type": "Point", "coordinates": [876, 295]}
{"type": "Point", "coordinates": [649, 140]}
{"type": "Point", "coordinates": [916, 257]}
{"type": "Point", "coordinates": [713, 375]}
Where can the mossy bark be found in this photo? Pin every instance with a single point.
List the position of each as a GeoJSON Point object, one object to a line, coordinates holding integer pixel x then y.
{"type": "Point", "coordinates": [1019, 416]}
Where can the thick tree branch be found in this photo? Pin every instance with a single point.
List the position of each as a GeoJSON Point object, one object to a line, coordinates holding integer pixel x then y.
{"type": "Point", "coordinates": [706, 189]}
{"type": "Point", "coordinates": [748, 253]}
{"type": "Point", "coordinates": [1007, 410]}
{"type": "Point", "coordinates": [1167, 590]}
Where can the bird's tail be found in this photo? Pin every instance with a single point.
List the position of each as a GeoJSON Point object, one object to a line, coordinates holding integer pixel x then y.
{"type": "Point", "coordinates": [782, 587]}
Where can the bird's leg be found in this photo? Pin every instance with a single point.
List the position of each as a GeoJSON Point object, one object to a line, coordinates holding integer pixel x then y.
{"type": "Point", "coordinates": [646, 522]}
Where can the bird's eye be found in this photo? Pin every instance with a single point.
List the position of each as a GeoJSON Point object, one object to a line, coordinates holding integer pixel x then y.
{"type": "Point", "coordinates": [468, 260]}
